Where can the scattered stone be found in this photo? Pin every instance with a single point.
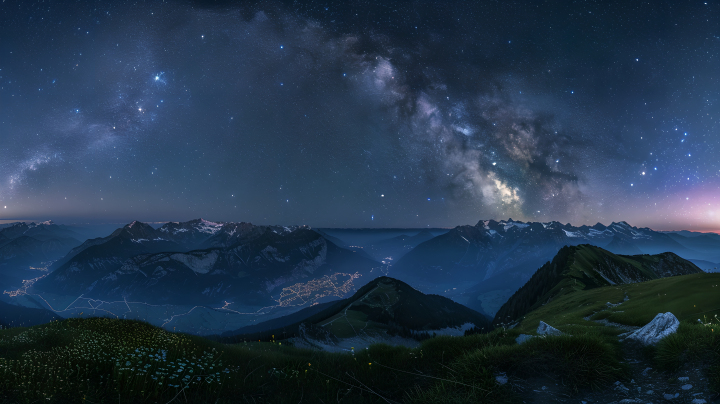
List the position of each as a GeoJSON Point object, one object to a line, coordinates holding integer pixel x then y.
{"type": "Point", "coordinates": [644, 372]}
{"type": "Point", "coordinates": [501, 378]}
{"type": "Point", "coordinates": [670, 396]}
{"type": "Point", "coordinates": [686, 386]}
{"type": "Point", "coordinates": [683, 379]}
{"type": "Point", "coordinates": [650, 392]}
{"type": "Point", "coordinates": [545, 329]}
{"type": "Point", "coordinates": [661, 326]}
{"type": "Point", "coordinates": [698, 401]}
{"type": "Point", "coordinates": [523, 338]}
{"type": "Point", "coordinates": [621, 387]}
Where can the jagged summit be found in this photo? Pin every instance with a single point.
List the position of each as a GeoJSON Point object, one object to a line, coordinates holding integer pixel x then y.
{"type": "Point", "coordinates": [136, 230]}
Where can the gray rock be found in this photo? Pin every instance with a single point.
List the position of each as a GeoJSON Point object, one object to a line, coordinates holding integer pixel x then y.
{"type": "Point", "coordinates": [545, 329]}
{"type": "Point", "coordinates": [660, 327]}
{"type": "Point", "coordinates": [686, 386]}
{"type": "Point", "coordinates": [523, 338]}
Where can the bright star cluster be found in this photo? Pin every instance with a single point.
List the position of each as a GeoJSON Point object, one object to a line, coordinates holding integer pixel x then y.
{"type": "Point", "coordinates": [346, 114]}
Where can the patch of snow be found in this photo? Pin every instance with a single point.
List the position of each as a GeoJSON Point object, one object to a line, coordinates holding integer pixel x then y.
{"type": "Point", "coordinates": [208, 227]}
{"type": "Point", "coordinates": [572, 233]}
{"type": "Point", "coordinates": [271, 253]}
{"type": "Point", "coordinates": [139, 241]}
{"type": "Point", "coordinates": [596, 233]}
{"type": "Point", "coordinates": [509, 225]}
{"type": "Point", "coordinates": [465, 239]}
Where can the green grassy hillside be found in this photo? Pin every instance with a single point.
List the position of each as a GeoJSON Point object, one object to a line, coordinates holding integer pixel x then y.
{"type": "Point", "coordinates": [385, 305]}
{"type": "Point", "coordinates": [586, 267]}
{"type": "Point", "coordinates": [688, 297]}
{"type": "Point", "coordinates": [119, 361]}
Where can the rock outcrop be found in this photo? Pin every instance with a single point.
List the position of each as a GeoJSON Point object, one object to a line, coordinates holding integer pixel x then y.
{"type": "Point", "coordinates": [660, 327]}
{"type": "Point", "coordinates": [546, 329]}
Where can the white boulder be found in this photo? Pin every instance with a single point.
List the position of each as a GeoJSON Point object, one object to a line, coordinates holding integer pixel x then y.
{"type": "Point", "coordinates": [660, 327]}
{"type": "Point", "coordinates": [545, 329]}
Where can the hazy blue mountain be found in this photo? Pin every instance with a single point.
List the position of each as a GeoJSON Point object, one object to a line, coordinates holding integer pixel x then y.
{"type": "Point", "coordinates": [30, 245]}
{"type": "Point", "coordinates": [18, 316]}
{"type": "Point", "coordinates": [84, 265]}
{"type": "Point", "coordinates": [247, 264]}
{"type": "Point", "coordinates": [394, 248]}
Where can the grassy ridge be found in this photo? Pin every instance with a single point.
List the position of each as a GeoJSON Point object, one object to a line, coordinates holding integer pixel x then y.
{"type": "Point", "coordinates": [586, 267]}
{"type": "Point", "coordinates": [693, 299]}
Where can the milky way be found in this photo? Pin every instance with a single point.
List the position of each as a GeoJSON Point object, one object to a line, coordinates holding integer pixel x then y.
{"type": "Point", "coordinates": [361, 114]}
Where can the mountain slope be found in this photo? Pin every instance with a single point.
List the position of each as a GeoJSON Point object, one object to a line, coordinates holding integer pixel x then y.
{"type": "Point", "coordinates": [99, 257]}
{"type": "Point", "coordinates": [587, 267]}
{"type": "Point", "coordinates": [24, 245]}
{"type": "Point", "coordinates": [385, 304]}
{"type": "Point", "coordinates": [248, 273]}
{"type": "Point", "coordinates": [18, 316]}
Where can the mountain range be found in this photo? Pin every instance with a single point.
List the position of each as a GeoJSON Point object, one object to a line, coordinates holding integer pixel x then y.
{"type": "Point", "coordinates": [200, 262]}
{"type": "Point", "coordinates": [205, 263]}
{"type": "Point", "coordinates": [489, 261]}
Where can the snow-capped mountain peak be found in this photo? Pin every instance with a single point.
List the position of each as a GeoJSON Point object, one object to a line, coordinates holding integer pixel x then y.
{"type": "Point", "coordinates": [209, 227]}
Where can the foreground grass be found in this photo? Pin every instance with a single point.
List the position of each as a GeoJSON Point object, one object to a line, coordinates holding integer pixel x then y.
{"type": "Point", "coordinates": [101, 360]}
{"type": "Point", "coordinates": [693, 299]}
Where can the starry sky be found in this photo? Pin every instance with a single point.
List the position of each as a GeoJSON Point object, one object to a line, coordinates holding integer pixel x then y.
{"type": "Point", "coordinates": [361, 113]}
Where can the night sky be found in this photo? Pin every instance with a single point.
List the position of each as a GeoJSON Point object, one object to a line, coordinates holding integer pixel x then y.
{"type": "Point", "coordinates": [361, 113]}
